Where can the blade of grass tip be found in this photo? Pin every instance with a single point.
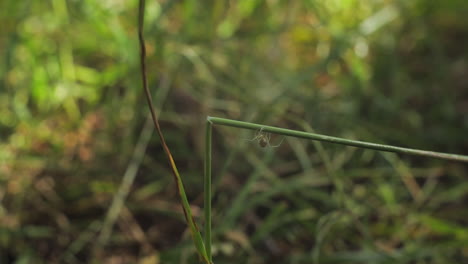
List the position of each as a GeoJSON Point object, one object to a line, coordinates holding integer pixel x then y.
{"type": "Point", "coordinates": [196, 236]}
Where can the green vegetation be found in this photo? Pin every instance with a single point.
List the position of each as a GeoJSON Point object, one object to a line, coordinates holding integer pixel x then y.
{"type": "Point", "coordinates": [83, 181]}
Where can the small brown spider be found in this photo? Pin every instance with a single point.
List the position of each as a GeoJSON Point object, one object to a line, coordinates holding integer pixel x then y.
{"type": "Point", "coordinates": [264, 138]}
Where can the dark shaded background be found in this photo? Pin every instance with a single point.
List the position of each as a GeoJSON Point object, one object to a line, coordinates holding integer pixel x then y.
{"type": "Point", "coordinates": [72, 113]}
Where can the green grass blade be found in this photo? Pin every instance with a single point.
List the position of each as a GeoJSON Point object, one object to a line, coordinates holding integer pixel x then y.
{"type": "Point", "coordinates": [207, 192]}
{"type": "Point", "coordinates": [196, 236]}
{"type": "Point", "coordinates": [337, 140]}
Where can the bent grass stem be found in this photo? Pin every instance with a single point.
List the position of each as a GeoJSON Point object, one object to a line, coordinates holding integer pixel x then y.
{"type": "Point", "coordinates": [336, 140]}
{"type": "Point", "coordinates": [210, 121]}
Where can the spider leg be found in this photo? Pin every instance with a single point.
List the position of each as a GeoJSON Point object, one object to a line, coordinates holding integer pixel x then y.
{"type": "Point", "coordinates": [277, 145]}
{"type": "Point", "coordinates": [253, 139]}
{"type": "Point", "coordinates": [260, 132]}
{"type": "Point", "coordinates": [257, 136]}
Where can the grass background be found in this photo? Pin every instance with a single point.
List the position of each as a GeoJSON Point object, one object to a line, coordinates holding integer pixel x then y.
{"type": "Point", "coordinates": [72, 111]}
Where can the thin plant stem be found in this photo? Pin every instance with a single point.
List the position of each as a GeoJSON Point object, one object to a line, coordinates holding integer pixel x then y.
{"type": "Point", "coordinates": [196, 236]}
{"type": "Point", "coordinates": [207, 191]}
{"type": "Point", "coordinates": [210, 121]}
{"type": "Point", "coordinates": [336, 140]}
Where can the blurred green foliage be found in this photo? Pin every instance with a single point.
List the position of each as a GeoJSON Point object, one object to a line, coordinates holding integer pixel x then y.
{"type": "Point", "coordinates": [72, 110]}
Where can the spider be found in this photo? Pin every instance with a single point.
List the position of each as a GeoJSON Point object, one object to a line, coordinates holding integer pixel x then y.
{"type": "Point", "coordinates": [263, 139]}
